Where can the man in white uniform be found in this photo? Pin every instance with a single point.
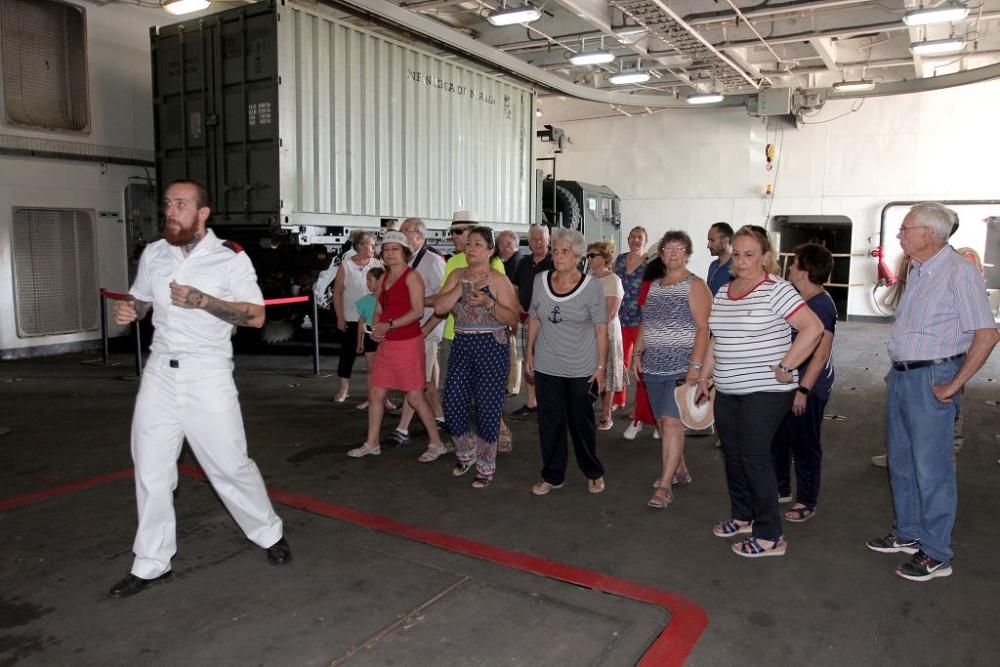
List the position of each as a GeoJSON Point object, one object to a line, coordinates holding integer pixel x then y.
{"type": "Point", "coordinates": [198, 288]}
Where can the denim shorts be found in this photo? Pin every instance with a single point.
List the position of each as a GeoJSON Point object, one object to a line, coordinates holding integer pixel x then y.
{"type": "Point", "coordinates": [661, 394]}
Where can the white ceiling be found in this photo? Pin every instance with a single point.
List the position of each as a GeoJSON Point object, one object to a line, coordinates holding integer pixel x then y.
{"type": "Point", "coordinates": [737, 47]}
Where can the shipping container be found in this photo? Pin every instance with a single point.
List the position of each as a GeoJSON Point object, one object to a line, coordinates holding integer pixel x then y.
{"type": "Point", "coordinates": [305, 127]}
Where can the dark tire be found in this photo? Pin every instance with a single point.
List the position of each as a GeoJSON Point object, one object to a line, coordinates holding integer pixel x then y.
{"type": "Point", "coordinates": [566, 206]}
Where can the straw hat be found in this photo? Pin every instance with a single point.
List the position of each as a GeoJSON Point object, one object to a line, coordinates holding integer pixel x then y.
{"type": "Point", "coordinates": [693, 416]}
{"type": "Point", "coordinates": [463, 218]}
{"type": "Point", "coordinates": [393, 236]}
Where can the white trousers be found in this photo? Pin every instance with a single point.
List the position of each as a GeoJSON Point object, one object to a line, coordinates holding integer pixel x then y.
{"type": "Point", "coordinates": [202, 405]}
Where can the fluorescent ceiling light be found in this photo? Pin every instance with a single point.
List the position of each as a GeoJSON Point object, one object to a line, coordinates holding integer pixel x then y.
{"type": "Point", "coordinates": [705, 98]}
{"type": "Point", "coordinates": [935, 47]}
{"type": "Point", "coordinates": [514, 15]}
{"type": "Point", "coordinates": [623, 78]}
{"type": "Point", "coordinates": [946, 13]}
{"type": "Point", "coordinates": [179, 7]}
{"type": "Point", "coordinates": [853, 86]}
{"type": "Point", "coordinates": [592, 57]}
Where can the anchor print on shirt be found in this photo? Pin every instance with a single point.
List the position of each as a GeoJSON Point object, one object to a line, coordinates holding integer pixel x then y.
{"type": "Point", "coordinates": [554, 316]}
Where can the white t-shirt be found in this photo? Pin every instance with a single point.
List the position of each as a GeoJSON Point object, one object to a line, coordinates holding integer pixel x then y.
{"type": "Point", "coordinates": [431, 270]}
{"type": "Point", "coordinates": [752, 334]}
{"type": "Point", "coordinates": [214, 267]}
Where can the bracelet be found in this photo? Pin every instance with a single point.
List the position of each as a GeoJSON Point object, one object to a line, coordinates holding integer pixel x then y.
{"type": "Point", "coordinates": [695, 365]}
{"type": "Point", "coordinates": [705, 380]}
{"type": "Point", "coordinates": [784, 369]}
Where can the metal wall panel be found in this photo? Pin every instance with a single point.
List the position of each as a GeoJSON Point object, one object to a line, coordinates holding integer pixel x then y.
{"type": "Point", "coordinates": [372, 128]}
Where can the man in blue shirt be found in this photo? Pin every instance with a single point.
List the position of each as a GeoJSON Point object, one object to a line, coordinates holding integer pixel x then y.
{"type": "Point", "coordinates": [720, 245]}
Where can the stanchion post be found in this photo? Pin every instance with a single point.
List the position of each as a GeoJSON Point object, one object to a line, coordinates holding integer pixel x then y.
{"type": "Point", "coordinates": [315, 314]}
{"type": "Point", "coordinates": [138, 350]}
{"type": "Point", "coordinates": [104, 327]}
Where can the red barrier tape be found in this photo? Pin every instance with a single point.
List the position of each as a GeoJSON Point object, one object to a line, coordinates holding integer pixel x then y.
{"type": "Point", "coordinates": [287, 299]}
{"type": "Point", "coordinates": [114, 295]}
{"type": "Point", "coordinates": [670, 648]}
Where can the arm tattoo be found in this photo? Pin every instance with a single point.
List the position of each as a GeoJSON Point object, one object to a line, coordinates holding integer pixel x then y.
{"type": "Point", "coordinates": [237, 315]}
{"type": "Point", "coordinates": [141, 308]}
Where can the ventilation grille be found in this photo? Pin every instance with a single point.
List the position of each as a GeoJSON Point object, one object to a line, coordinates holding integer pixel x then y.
{"type": "Point", "coordinates": [44, 64]}
{"type": "Point", "coordinates": [55, 281]}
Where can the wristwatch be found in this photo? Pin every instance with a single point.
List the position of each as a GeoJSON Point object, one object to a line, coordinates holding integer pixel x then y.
{"type": "Point", "coordinates": [695, 365]}
{"type": "Point", "coordinates": [785, 368]}
{"type": "Point", "coordinates": [391, 326]}
{"type": "Point", "coordinates": [803, 390]}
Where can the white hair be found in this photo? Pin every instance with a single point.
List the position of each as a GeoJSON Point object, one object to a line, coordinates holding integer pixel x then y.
{"type": "Point", "coordinates": [541, 229]}
{"type": "Point", "coordinates": [418, 226]}
{"type": "Point", "coordinates": [577, 243]}
{"type": "Point", "coordinates": [937, 217]}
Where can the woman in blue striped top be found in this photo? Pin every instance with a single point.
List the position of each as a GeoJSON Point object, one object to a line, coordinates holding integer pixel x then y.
{"type": "Point", "coordinates": [673, 339]}
{"type": "Point", "coordinates": [753, 362]}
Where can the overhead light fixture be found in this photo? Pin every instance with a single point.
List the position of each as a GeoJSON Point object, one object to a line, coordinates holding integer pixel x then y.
{"type": "Point", "coordinates": [592, 57]}
{"type": "Point", "coordinates": [705, 98]}
{"type": "Point", "coordinates": [623, 78]}
{"type": "Point", "coordinates": [513, 15]}
{"type": "Point", "coordinates": [178, 7]}
{"type": "Point", "coordinates": [934, 47]}
{"type": "Point", "coordinates": [853, 86]}
{"type": "Point", "coordinates": [948, 12]}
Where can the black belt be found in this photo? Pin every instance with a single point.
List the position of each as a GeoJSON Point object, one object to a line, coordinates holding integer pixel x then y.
{"type": "Point", "coordinates": [913, 365]}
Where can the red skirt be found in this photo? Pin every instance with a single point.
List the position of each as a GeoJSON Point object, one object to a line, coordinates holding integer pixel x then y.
{"type": "Point", "coordinates": [399, 364]}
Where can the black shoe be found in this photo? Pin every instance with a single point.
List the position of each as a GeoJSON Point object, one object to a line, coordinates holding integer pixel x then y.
{"type": "Point", "coordinates": [525, 410]}
{"type": "Point", "coordinates": [923, 568]}
{"type": "Point", "coordinates": [397, 439]}
{"type": "Point", "coordinates": [442, 427]}
{"type": "Point", "coordinates": [279, 553]}
{"type": "Point", "coordinates": [890, 544]}
{"type": "Point", "coordinates": [132, 584]}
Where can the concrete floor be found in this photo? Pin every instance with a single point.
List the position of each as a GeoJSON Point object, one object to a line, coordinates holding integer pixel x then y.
{"type": "Point", "coordinates": [354, 595]}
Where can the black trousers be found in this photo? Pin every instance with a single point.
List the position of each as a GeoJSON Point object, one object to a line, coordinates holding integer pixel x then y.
{"type": "Point", "coordinates": [348, 349]}
{"type": "Point", "coordinates": [747, 424]}
{"type": "Point", "coordinates": [798, 438]}
{"type": "Point", "coordinates": [566, 402]}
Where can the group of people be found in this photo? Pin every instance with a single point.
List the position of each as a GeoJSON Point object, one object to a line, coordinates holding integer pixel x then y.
{"type": "Point", "coordinates": [755, 344]}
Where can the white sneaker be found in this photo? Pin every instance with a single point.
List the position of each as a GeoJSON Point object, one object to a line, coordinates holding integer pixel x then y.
{"type": "Point", "coordinates": [656, 434]}
{"type": "Point", "coordinates": [365, 450]}
{"type": "Point", "coordinates": [633, 430]}
{"type": "Point", "coordinates": [880, 461]}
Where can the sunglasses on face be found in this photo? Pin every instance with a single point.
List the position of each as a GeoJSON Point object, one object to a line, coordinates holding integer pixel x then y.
{"type": "Point", "coordinates": [592, 255]}
{"type": "Point", "coordinates": [457, 232]}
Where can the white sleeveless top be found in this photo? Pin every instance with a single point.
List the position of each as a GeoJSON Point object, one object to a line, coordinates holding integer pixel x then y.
{"type": "Point", "coordinates": [355, 285]}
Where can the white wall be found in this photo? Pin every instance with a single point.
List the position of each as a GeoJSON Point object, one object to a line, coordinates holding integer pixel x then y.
{"type": "Point", "coordinates": [684, 169]}
{"type": "Point", "coordinates": [121, 122]}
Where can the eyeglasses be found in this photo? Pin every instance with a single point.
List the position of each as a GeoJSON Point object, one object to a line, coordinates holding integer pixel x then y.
{"type": "Point", "coordinates": [904, 228]}
{"type": "Point", "coordinates": [674, 249]}
{"type": "Point", "coordinates": [592, 255]}
{"type": "Point", "coordinates": [457, 232]}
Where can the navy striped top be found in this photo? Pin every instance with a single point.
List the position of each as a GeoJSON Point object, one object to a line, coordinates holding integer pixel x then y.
{"type": "Point", "coordinates": [668, 328]}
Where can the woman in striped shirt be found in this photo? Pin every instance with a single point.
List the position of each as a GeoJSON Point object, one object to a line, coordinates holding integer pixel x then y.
{"type": "Point", "coordinates": [672, 342]}
{"type": "Point", "coordinates": [753, 362]}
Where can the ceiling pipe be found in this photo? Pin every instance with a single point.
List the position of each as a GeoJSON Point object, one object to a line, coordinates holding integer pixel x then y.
{"type": "Point", "coordinates": [765, 9]}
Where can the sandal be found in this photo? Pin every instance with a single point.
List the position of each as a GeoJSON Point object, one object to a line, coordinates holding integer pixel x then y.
{"type": "Point", "coordinates": [605, 424]}
{"type": "Point", "coordinates": [682, 478]}
{"type": "Point", "coordinates": [543, 487]}
{"type": "Point", "coordinates": [462, 467]}
{"type": "Point", "coordinates": [732, 527]}
{"type": "Point", "coordinates": [432, 454]}
{"type": "Point", "coordinates": [365, 450]}
{"type": "Point", "coordinates": [362, 406]}
{"type": "Point", "coordinates": [340, 398]}
{"type": "Point", "coordinates": [595, 485]}
{"type": "Point", "coordinates": [751, 547]}
{"type": "Point", "coordinates": [799, 514]}
{"type": "Point", "coordinates": [661, 499]}
{"type": "Point", "coordinates": [481, 482]}
{"type": "Point", "coordinates": [505, 442]}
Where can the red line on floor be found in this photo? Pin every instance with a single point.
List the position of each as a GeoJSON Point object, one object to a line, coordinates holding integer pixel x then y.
{"type": "Point", "coordinates": [669, 649]}
{"type": "Point", "coordinates": [29, 498]}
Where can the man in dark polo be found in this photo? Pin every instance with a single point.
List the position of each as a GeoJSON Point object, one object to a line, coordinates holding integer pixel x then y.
{"type": "Point", "coordinates": [943, 334]}
{"type": "Point", "coordinates": [524, 282]}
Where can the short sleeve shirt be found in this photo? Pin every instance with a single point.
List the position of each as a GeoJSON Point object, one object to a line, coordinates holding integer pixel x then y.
{"type": "Point", "coordinates": [431, 269]}
{"type": "Point", "coordinates": [216, 268]}
{"type": "Point", "coordinates": [524, 277]}
{"type": "Point", "coordinates": [566, 345]}
{"type": "Point", "coordinates": [826, 310]}
{"type": "Point", "coordinates": [631, 282]}
{"type": "Point", "coordinates": [752, 334]}
{"type": "Point", "coordinates": [718, 275]}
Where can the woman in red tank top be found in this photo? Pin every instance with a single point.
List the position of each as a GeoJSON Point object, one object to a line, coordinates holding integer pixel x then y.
{"type": "Point", "coordinates": [399, 360]}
